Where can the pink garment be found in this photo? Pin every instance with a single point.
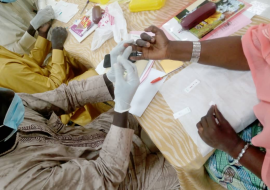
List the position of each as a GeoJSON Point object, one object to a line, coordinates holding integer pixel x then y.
{"type": "Point", "coordinates": [256, 45]}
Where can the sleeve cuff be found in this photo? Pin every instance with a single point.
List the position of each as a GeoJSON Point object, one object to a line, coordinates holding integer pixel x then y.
{"type": "Point", "coordinates": [119, 139]}
{"type": "Point", "coordinates": [57, 56]}
{"type": "Point", "coordinates": [27, 41]}
{"type": "Point", "coordinates": [41, 42]}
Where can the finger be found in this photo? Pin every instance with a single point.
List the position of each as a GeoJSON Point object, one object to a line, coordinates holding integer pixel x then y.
{"type": "Point", "coordinates": [200, 129]}
{"type": "Point", "coordinates": [219, 116]}
{"type": "Point", "coordinates": [199, 126]}
{"type": "Point", "coordinates": [152, 29]}
{"type": "Point", "coordinates": [142, 43]}
{"type": "Point", "coordinates": [127, 52]}
{"type": "Point", "coordinates": [118, 72]}
{"type": "Point", "coordinates": [124, 44]}
{"type": "Point", "coordinates": [135, 47]}
{"type": "Point", "coordinates": [126, 64]}
{"type": "Point", "coordinates": [137, 58]}
{"type": "Point", "coordinates": [146, 37]}
{"type": "Point", "coordinates": [204, 122]}
{"type": "Point", "coordinates": [211, 121]}
{"type": "Point", "coordinates": [121, 47]}
{"type": "Point", "coordinates": [211, 110]}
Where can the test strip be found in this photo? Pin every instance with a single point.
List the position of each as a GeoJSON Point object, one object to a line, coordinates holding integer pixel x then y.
{"type": "Point", "coordinates": [192, 86]}
{"type": "Point", "coordinates": [182, 113]}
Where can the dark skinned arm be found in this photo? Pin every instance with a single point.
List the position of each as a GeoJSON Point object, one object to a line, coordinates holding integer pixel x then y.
{"type": "Point", "coordinates": [252, 159]}
{"type": "Point", "coordinates": [223, 137]}
{"type": "Point", "coordinates": [222, 52]}
{"type": "Point", "coordinates": [228, 52]}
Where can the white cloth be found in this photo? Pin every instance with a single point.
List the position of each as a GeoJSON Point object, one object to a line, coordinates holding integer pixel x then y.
{"type": "Point", "coordinates": [233, 91]}
{"type": "Point", "coordinates": [14, 20]}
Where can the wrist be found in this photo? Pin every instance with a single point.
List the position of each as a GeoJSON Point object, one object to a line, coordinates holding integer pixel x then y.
{"type": "Point", "coordinates": [179, 50]}
{"type": "Point", "coordinates": [31, 30]}
{"type": "Point", "coordinates": [120, 119]}
{"type": "Point", "coordinates": [43, 35]}
{"type": "Point", "coordinates": [60, 47]}
{"type": "Point", "coordinates": [236, 150]}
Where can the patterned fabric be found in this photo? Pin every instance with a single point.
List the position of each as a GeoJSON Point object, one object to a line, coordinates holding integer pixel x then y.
{"type": "Point", "coordinates": [50, 155]}
{"type": "Point", "coordinates": [223, 169]}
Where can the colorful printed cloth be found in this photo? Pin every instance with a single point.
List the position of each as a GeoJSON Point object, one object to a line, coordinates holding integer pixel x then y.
{"type": "Point", "coordinates": [222, 167]}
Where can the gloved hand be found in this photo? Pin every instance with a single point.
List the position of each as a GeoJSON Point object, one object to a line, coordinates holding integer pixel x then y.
{"type": "Point", "coordinates": [43, 16]}
{"type": "Point", "coordinates": [59, 36]}
{"type": "Point", "coordinates": [125, 86]}
{"type": "Point", "coordinates": [116, 51]}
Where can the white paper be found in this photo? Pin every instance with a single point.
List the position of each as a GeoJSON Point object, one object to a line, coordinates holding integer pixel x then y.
{"type": "Point", "coordinates": [249, 14]}
{"type": "Point", "coordinates": [146, 92]}
{"type": "Point", "coordinates": [175, 29]}
{"type": "Point", "coordinates": [100, 69]}
{"type": "Point", "coordinates": [64, 11]}
{"type": "Point", "coordinates": [233, 92]}
{"type": "Point", "coordinates": [258, 7]}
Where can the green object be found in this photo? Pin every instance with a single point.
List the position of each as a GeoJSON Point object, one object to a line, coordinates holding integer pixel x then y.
{"type": "Point", "coordinates": [222, 167]}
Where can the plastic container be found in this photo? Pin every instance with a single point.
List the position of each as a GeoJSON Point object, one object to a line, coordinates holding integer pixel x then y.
{"type": "Point", "coordinates": [145, 5]}
{"type": "Point", "coordinates": [102, 2]}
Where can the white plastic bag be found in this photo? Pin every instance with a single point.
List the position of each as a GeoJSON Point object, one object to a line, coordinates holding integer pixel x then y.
{"type": "Point", "coordinates": [112, 24]}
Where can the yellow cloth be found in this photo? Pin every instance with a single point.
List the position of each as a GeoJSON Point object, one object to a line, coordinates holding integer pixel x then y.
{"type": "Point", "coordinates": [24, 73]}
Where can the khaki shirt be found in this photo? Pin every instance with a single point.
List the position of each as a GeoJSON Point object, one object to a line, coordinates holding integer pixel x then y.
{"type": "Point", "coordinates": [50, 155]}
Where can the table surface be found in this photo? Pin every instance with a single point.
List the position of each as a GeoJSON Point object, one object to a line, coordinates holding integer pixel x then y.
{"type": "Point", "coordinates": [166, 132]}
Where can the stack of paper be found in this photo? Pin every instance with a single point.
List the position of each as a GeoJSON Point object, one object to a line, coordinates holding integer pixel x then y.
{"type": "Point", "coordinates": [191, 92]}
{"type": "Point", "coordinates": [64, 11]}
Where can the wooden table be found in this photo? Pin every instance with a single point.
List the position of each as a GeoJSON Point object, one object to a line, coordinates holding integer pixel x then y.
{"type": "Point", "coordinates": [166, 132]}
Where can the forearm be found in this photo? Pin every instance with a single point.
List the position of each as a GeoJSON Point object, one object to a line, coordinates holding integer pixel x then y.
{"type": "Point", "coordinates": [40, 50]}
{"type": "Point", "coordinates": [31, 30]}
{"type": "Point", "coordinates": [252, 159]}
{"type": "Point", "coordinates": [222, 52]}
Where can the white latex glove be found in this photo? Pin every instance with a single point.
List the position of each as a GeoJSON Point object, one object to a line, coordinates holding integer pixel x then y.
{"type": "Point", "coordinates": [125, 86]}
{"type": "Point", "coordinates": [116, 51]}
{"type": "Point", "coordinates": [43, 16]}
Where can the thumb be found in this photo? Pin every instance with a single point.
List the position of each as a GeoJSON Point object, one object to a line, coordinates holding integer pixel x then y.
{"type": "Point", "coordinates": [219, 115]}
{"type": "Point", "coordinates": [127, 52]}
{"type": "Point", "coordinates": [119, 73]}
